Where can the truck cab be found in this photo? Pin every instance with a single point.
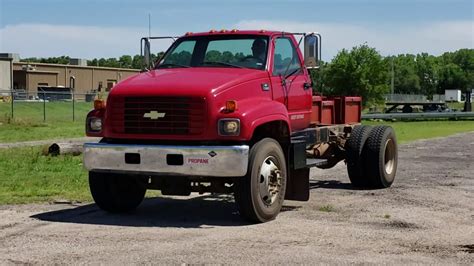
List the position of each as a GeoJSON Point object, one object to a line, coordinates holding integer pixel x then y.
{"type": "Point", "coordinates": [226, 112]}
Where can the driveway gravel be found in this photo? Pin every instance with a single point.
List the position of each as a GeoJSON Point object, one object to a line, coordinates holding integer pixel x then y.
{"type": "Point", "coordinates": [426, 217]}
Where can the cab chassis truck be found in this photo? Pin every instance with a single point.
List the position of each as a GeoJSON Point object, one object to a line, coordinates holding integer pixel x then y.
{"type": "Point", "coordinates": [248, 126]}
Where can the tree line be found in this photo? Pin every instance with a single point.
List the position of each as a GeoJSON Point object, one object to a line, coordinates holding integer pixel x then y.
{"type": "Point", "coordinates": [361, 70]}
{"type": "Point", "coordinates": [125, 61]}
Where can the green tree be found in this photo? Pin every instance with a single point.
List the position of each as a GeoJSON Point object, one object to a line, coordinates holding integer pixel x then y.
{"type": "Point", "coordinates": [360, 71]}
{"type": "Point", "coordinates": [137, 61]}
{"type": "Point", "coordinates": [451, 76]}
{"type": "Point", "coordinates": [319, 77]}
{"type": "Point", "coordinates": [125, 61]}
{"type": "Point", "coordinates": [406, 79]}
{"type": "Point", "coordinates": [213, 56]}
{"type": "Point", "coordinates": [64, 60]}
{"type": "Point", "coordinates": [112, 62]}
{"type": "Point", "coordinates": [93, 62]}
{"type": "Point", "coordinates": [456, 70]}
{"type": "Point", "coordinates": [427, 69]}
{"type": "Point", "coordinates": [464, 58]}
{"type": "Point", "coordinates": [102, 62]}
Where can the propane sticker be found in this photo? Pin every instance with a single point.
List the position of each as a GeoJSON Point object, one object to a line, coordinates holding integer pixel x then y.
{"type": "Point", "coordinates": [198, 161]}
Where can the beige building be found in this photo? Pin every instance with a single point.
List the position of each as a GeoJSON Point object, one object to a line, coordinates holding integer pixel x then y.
{"type": "Point", "coordinates": [6, 66]}
{"type": "Point", "coordinates": [30, 76]}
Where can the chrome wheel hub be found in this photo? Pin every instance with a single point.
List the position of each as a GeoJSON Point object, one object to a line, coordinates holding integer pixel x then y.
{"type": "Point", "coordinates": [389, 156]}
{"type": "Point", "coordinates": [269, 180]}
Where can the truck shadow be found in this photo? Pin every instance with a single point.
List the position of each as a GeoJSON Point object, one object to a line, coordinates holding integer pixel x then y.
{"type": "Point", "coordinates": [330, 184]}
{"type": "Point", "coordinates": [202, 211]}
{"type": "Point", "coordinates": [157, 212]}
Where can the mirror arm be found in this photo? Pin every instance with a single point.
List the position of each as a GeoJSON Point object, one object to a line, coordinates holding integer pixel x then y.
{"type": "Point", "coordinates": [145, 43]}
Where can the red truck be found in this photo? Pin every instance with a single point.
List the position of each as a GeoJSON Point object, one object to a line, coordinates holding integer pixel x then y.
{"type": "Point", "coordinates": [230, 112]}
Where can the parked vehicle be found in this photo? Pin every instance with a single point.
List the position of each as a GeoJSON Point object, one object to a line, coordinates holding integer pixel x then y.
{"type": "Point", "coordinates": [453, 95]}
{"type": "Point", "coordinates": [230, 112]}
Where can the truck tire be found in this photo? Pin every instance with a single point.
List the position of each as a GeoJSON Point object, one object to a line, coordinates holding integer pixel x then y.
{"type": "Point", "coordinates": [260, 194]}
{"type": "Point", "coordinates": [354, 146]}
{"type": "Point", "coordinates": [114, 193]}
{"type": "Point", "coordinates": [380, 157]}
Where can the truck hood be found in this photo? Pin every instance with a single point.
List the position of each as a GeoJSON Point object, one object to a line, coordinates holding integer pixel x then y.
{"type": "Point", "coordinates": [186, 81]}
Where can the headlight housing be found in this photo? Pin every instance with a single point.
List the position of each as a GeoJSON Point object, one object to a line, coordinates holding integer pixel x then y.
{"type": "Point", "coordinates": [94, 124]}
{"type": "Point", "coordinates": [229, 127]}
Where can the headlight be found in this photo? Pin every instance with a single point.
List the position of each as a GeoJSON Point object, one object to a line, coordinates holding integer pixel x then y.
{"type": "Point", "coordinates": [229, 127]}
{"type": "Point", "coordinates": [95, 124]}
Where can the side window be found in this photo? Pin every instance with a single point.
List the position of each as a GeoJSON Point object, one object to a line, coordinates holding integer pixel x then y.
{"type": "Point", "coordinates": [285, 57]}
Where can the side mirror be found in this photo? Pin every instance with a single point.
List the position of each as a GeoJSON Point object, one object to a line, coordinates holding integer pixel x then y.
{"type": "Point", "coordinates": [312, 50]}
{"type": "Point", "coordinates": [145, 52]}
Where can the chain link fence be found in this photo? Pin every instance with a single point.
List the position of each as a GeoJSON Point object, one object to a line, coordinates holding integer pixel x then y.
{"type": "Point", "coordinates": [44, 105]}
{"type": "Point", "coordinates": [62, 104]}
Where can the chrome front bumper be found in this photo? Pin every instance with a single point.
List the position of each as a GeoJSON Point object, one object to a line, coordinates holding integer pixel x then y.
{"type": "Point", "coordinates": [223, 161]}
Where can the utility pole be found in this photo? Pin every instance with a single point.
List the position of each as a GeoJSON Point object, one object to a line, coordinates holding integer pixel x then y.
{"type": "Point", "coordinates": [392, 81]}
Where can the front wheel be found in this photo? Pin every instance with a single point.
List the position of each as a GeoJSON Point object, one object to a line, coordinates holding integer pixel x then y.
{"type": "Point", "coordinates": [260, 194]}
{"type": "Point", "coordinates": [116, 193]}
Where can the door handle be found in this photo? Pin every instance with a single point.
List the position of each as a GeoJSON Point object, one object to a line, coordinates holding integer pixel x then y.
{"type": "Point", "coordinates": [307, 85]}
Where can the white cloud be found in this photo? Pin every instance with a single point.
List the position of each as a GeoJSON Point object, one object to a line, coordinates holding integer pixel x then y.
{"type": "Point", "coordinates": [434, 38]}
{"type": "Point", "coordinates": [45, 40]}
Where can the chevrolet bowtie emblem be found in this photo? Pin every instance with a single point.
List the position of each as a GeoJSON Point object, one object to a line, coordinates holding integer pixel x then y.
{"type": "Point", "coordinates": [153, 115]}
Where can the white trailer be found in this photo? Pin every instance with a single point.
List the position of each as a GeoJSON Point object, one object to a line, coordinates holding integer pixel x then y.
{"type": "Point", "coordinates": [452, 95]}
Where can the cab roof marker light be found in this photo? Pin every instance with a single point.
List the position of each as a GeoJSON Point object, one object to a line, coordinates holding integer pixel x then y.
{"type": "Point", "coordinates": [234, 30]}
{"type": "Point", "coordinates": [223, 31]}
{"type": "Point", "coordinates": [188, 33]}
{"type": "Point", "coordinates": [212, 31]}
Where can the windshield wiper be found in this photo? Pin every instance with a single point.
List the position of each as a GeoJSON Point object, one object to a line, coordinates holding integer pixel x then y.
{"type": "Point", "coordinates": [221, 63]}
{"type": "Point", "coordinates": [171, 65]}
{"type": "Point", "coordinates": [292, 73]}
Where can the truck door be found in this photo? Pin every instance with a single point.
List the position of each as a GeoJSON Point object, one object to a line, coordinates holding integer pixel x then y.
{"type": "Point", "coordinates": [294, 91]}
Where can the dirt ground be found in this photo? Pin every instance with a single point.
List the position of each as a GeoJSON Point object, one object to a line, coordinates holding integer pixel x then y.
{"type": "Point", "coordinates": [46, 142]}
{"type": "Point", "coordinates": [426, 217]}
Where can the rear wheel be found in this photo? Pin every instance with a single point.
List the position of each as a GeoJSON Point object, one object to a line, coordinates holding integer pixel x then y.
{"type": "Point", "coordinates": [260, 194]}
{"type": "Point", "coordinates": [353, 147]}
{"type": "Point", "coordinates": [116, 193]}
{"type": "Point", "coordinates": [380, 157]}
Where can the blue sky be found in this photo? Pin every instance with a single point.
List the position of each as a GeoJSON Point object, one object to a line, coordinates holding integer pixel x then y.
{"type": "Point", "coordinates": [85, 28]}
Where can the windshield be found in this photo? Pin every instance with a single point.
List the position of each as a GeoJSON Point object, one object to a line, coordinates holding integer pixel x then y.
{"type": "Point", "coordinates": [233, 51]}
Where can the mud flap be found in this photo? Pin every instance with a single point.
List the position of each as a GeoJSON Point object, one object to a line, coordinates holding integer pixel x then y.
{"type": "Point", "coordinates": [297, 187]}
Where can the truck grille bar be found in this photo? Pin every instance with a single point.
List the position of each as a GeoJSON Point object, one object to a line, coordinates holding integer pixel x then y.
{"type": "Point", "coordinates": [158, 115]}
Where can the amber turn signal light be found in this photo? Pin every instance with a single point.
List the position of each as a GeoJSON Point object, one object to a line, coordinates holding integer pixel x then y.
{"type": "Point", "coordinates": [99, 104]}
{"type": "Point", "coordinates": [230, 106]}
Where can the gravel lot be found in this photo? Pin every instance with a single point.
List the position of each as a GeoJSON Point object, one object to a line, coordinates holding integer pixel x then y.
{"type": "Point", "coordinates": [426, 217]}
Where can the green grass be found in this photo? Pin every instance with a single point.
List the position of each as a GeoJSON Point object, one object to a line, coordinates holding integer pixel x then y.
{"type": "Point", "coordinates": [39, 131]}
{"type": "Point", "coordinates": [27, 123]}
{"type": "Point", "coordinates": [34, 111]}
{"type": "Point", "coordinates": [410, 131]}
{"type": "Point", "coordinates": [326, 208]}
{"type": "Point", "coordinates": [457, 106]}
{"type": "Point", "coordinates": [27, 176]}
